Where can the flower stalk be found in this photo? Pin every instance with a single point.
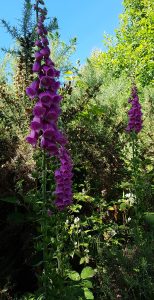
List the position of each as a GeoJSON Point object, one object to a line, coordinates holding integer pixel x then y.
{"type": "Point", "coordinates": [44, 125]}
{"type": "Point", "coordinates": [45, 132]}
{"type": "Point", "coordinates": [44, 223]}
{"type": "Point", "coordinates": [133, 128]}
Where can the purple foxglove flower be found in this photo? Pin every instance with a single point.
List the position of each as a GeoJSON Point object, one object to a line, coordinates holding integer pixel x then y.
{"type": "Point", "coordinates": [61, 139]}
{"type": "Point", "coordinates": [40, 25]}
{"type": "Point", "coordinates": [46, 98]}
{"type": "Point", "coordinates": [52, 114]}
{"type": "Point", "coordinates": [38, 44]}
{"type": "Point", "coordinates": [40, 31]}
{"type": "Point", "coordinates": [56, 85]}
{"type": "Point", "coordinates": [36, 67]}
{"type": "Point", "coordinates": [47, 125]}
{"type": "Point", "coordinates": [47, 110]}
{"type": "Point", "coordinates": [35, 84]}
{"type": "Point", "coordinates": [63, 193]}
{"type": "Point", "coordinates": [45, 41]}
{"type": "Point", "coordinates": [39, 110]}
{"type": "Point", "coordinates": [57, 174]}
{"type": "Point", "coordinates": [53, 151]}
{"type": "Point", "coordinates": [41, 18]}
{"type": "Point", "coordinates": [135, 113]}
{"type": "Point", "coordinates": [36, 123]}
{"type": "Point", "coordinates": [49, 71]}
{"type": "Point", "coordinates": [46, 82]}
{"type": "Point", "coordinates": [49, 62]}
{"type": "Point", "coordinates": [32, 138]}
{"type": "Point", "coordinates": [49, 134]}
{"type": "Point", "coordinates": [57, 98]}
{"type": "Point", "coordinates": [32, 90]}
{"type": "Point", "coordinates": [45, 31]}
{"type": "Point", "coordinates": [38, 56]}
{"type": "Point", "coordinates": [49, 146]}
{"type": "Point", "coordinates": [45, 51]}
{"type": "Point", "coordinates": [57, 73]}
{"type": "Point", "coordinates": [59, 203]}
{"type": "Point", "coordinates": [45, 143]}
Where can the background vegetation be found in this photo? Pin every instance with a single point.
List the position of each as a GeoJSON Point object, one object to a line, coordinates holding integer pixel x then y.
{"type": "Point", "coordinates": [102, 247]}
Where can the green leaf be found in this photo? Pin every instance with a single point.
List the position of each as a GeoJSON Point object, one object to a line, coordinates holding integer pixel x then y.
{"type": "Point", "coordinates": [73, 275]}
{"type": "Point", "coordinates": [11, 199]}
{"type": "Point", "coordinates": [82, 260]}
{"type": "Point", "coordinates": [76, 208]}
{"type": "Point", "coordinates": [88, 294]}
{"type": "Point", "coordinates": [87, 284]}
{"type": "Point", "coordinates": [87, 272]}
{"type": "Point", "coordinates": [123, 206]}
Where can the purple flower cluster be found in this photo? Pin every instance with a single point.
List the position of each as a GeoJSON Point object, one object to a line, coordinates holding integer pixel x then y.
{"type": "Point", "coordinates": [44, 88]}
{"type": "Point", "coordinates": [46, 111]}
{"type": "Point", "coordinates": [63, 177]}
{"type": "Point", "coordinates": [135, 113]}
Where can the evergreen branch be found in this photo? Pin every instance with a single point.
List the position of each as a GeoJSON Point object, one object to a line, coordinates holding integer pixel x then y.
{"type": "Point", "coordinates": [10, 51]}
{"type": "Point", "coordinates": [27, 18]}
{"type": "Point", "coordinates": [53, 25]}
{"type": "Point", "coordinates": [12, 30]}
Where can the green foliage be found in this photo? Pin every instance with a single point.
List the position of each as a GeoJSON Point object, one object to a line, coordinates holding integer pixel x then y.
{"type": "Point", "coordinates": [87, 272]}
{"type": "Point", "coordinates": [101, 248]}
{"type": "Point", "coordinates": [61, 52]}
{"type": "Point", "coordinates": [132, 52]}
{"type": "Point", "coordinates": [90, 113]}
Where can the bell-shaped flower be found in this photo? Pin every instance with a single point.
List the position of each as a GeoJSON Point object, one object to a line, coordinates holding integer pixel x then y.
{"type": "Point", "coordinates": [49, 133]}
{"type": "Point", "coordinates": [46, 98]}
{"type": "Point", "coordinates": [44, 125]}
{"type": "Point", "coordinates": [49, 71]}
{"type": "Point", "coordinates": [39, 110]}
{"type": "Point", "coordinates": [45, 41]}
{"type": "Point", "coordinates": [40, 31]}
{"type": "Point", "coordinates": [50, 146]}
{"type": "Point", "coordinates": [49, 62]}
{"type": "Point", "coordinates": [36, 67]}
{"type": "Point", "coordinates": [45, 51]}
{"type": "Point", "coordinates": [57, 98]}
{"type": "Point", "coordinates": [135, 113]}
{"type": "Point", "coordinates": [32, 90]}
{"type": "Point", "coordinates": [38, 43]}
{"type": "Point", "coordinates": [53, 113]}
{"type": "Point", "coordinates": [38, 56]}
{"type": "Point", "coordinates": [32, 138]}
{"type": "Point", "coordinates": [57, 73]}
{"type": "Point", "coordinates": [36, 123]}
{"type": "Point", "coordinates": [46, 82]}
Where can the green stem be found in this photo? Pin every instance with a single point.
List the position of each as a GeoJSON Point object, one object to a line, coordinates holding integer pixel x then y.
{"type": "Point", "coordinates": [135, 167]}
{"type": "Point", "coordinates": [44, 223]}
{"type": "Point", "coordinates": [133, 148]}
{"type": "Point", "coordinates": [44, 211]}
